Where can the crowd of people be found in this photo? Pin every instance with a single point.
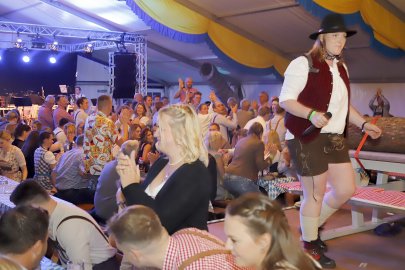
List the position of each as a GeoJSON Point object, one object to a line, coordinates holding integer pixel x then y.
{"type": "Point", "coordinates": [152, 170]}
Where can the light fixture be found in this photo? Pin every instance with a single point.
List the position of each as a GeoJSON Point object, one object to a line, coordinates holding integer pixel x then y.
{"type": "Point", "coordinates": [88, 48]}
{"type": "Point", "coordinates": [52, 59]}
{"type": "Point", "coordinates": [38, 43]}
{"type": "Point", "coordinates": [54, 46]}
{"type": "Point", "coordinates": [26, 58]}
{"type": "Point", "coordinates": [19, 44]}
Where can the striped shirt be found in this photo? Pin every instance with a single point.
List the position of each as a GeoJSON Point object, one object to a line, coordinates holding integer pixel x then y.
{"type": "Point", "coordinates": [68, 170]}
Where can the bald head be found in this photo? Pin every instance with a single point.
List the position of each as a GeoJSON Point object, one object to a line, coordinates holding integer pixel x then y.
{"type": "Point", "coordinates": [128, 146]}
{"type": "Point", "coordinates": [50, 99]}
{"type": "Point", "coordinates": [138, 97]}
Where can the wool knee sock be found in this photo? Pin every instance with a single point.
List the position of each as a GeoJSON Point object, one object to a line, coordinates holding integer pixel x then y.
{"type": "Point", "coordinates": [326, 212]}
{"type": "Point", "coordinates": [309, 228]}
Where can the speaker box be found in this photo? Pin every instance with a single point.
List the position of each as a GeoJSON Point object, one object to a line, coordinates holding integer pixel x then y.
{"type": "Point", "coordinates": [124, 75]}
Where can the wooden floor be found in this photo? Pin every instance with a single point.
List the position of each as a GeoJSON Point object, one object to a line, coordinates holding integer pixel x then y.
{"type": "Point", "coordinates": [364, 250]}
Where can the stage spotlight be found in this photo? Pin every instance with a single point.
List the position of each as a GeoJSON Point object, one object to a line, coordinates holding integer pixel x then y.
{"type": "Point", "coordinates": [26, 59]}
{"type": "Point", "coordinates": [88, 48]}
{"type": "Point", "coordinates": [54, 46]}
{"type": "Point", "coordinates": [52, 59]}
{"type": "Point", "coordinates": [19, 44]}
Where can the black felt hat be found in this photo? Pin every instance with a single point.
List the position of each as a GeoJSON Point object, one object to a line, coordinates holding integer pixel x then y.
{"type": "Point", "coordinates": [333, 23]}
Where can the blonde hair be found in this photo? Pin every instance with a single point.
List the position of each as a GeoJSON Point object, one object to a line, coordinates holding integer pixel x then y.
{"type": "Point", "coordinates": [5, 135]}
{"type": "Point", "coordinates": [69, 127]}
{"type": "Point", "coordinates": [214, 141]}
{"type": "Point", "coordinates": [273, 138]}
{"type": "Point", "coordinates": [186, 131]}
{"type": "Point", "coordinates": [103, 101]}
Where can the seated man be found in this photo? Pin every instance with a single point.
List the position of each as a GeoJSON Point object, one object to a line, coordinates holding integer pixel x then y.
{"type": "Point", "coordinates": [23, 235]}
{"type": "Point", "coordinates": [145, 242]}
{"type": "Point", "coordinates": [78, 237]}
{"type": "Point", "coordinates": [69, 179]}
{"type": "Point", "coordinates": [105, 204]}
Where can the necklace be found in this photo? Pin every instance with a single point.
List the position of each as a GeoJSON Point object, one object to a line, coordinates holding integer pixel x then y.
{"type": "Point", "coordinates": [175, 163]}
{"type": "Point", "coordinates": [171, 168]}
{"type": "Point", "coordinates": [329, 56]}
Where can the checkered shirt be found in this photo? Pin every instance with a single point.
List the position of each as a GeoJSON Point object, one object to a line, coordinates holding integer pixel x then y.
{"type": "Point", "coordinates": [42, 169]}
{"type": "Point", "coordinates": [188, 242]}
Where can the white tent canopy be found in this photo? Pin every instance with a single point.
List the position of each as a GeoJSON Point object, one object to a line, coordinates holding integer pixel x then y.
{"type": "Point", "coordinates": [282, 26]}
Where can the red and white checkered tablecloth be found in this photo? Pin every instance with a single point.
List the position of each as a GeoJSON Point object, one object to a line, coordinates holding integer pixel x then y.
{"type": "Point", "coordinates": [292, 186]}
{"type": "Point", "coordinates": [389, 198]}
{"type": "Point", "coordinates": [374, 195]}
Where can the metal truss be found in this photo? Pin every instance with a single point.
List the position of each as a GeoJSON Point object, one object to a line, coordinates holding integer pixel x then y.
{"type": "Point", "coordinates": [134, 43]}
{"type": "Point", "coordinates": [141, 68]}
{"type": "Point", "coordinates": [100, 39]}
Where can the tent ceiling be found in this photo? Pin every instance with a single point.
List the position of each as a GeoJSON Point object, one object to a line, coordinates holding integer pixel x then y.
{"type": "Point", "coordinates": [280, 25]}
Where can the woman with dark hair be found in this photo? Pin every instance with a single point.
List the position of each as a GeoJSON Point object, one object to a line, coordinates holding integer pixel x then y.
{"type": "Point", "coordinates": [259, 235]}
{"type": "Point", "coordinates": [139, 117]}
{"type": "Point", "coordinates": [134, 132]}
{"type": "Point", "coordinates": [146, 142]}
{"type": "Point", "coordinates": [28, 149]}
{"type": "Point", "coordinates": [248, 159]}
{"type": "Point", "coordinates": [21, 133]}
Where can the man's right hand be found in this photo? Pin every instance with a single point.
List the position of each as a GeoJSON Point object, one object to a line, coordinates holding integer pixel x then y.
{"type": "Point", "coordinates": [181, 83]}
{"type": "Point", "coordinates": [235, 108]}
{"type": "Point", "coordinates": [212, 96]}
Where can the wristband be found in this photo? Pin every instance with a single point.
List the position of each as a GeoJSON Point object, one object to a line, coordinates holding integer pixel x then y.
{"type": "Point", "coordinates": [362, 126]}
{"type": "Point", "coordinates": [309, 114]}
{"type": "Point", "coordinates": [312, 115]}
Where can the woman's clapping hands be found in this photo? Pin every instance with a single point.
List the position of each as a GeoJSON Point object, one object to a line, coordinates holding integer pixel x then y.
{"type": "Point", "coordinates": [127, 169]}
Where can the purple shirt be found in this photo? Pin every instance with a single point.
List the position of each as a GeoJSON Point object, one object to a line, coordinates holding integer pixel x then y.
{"type": "Point", "coordinates": [45, 116]}
{"type": "Point", "coordinates": [60, 113]}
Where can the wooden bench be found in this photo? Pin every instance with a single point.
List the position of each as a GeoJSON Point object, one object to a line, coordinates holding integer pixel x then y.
{"type": "Point", "coordinates": [358, 202]}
